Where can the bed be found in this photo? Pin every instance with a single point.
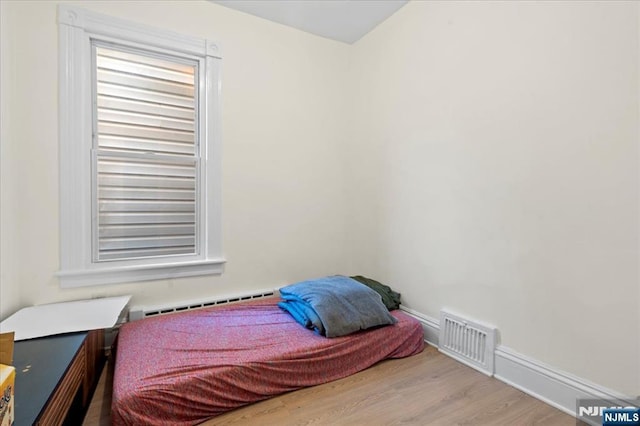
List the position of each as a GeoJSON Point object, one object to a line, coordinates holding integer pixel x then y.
{"type": "Point", "coordinates": [188, 367]}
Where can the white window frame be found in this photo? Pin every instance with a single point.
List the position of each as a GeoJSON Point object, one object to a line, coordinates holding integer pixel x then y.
{"type": "Point", "coordinates": [76, 28]}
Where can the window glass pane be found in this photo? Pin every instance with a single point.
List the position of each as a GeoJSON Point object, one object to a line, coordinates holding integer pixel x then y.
{"type": "Point", "coordinates": [145, 104]}
{"type": "Point", "coordinates": [146, 207]}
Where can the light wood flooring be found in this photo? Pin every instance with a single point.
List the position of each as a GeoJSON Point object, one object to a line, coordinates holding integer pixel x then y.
{"type": "Point", "coordinates": [426, 389]}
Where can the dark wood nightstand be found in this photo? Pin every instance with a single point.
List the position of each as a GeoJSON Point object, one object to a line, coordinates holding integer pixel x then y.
{"type": "Point", "coordinates": [56, 376]}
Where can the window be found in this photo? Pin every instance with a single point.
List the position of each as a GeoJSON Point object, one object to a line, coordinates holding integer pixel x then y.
{"type": "Point", "coordinates": [139, 152]}
{"type": "Point", "coordinates": [144, 155]}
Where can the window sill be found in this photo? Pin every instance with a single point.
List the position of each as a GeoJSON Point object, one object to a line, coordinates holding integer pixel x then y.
{"type": "Point", "coordinates": [129, 274]}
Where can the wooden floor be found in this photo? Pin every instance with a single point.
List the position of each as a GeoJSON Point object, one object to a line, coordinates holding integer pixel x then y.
{"type": "Point", "coordinates": [426, 389]}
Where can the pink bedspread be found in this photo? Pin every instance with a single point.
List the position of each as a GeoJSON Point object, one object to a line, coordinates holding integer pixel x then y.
{"type": "Point", "coordinates": [183, 369]}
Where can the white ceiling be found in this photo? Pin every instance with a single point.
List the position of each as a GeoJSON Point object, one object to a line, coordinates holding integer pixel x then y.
{"type": "Point", "coordinates": [342, 20]}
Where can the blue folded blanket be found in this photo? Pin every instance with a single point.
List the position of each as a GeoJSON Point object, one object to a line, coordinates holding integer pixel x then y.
{"type": "Point", "coordinates": [334, 306]}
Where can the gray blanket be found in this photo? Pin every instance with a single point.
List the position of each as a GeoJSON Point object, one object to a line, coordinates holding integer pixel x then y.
{"type": "Point", "coordinates": [335, 306]}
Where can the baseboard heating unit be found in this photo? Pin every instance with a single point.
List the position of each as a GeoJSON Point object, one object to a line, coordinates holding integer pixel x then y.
{"type": "Point", "coordinates": [140, 312]}
{"type": "Point", "coordinates": [467, 341]}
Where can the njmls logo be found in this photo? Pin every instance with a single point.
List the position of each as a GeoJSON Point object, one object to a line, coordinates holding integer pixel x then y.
{"type": "Point", "coordinates": [599, 411]}
{"type": "Point", "coordinates": [621, 416]}
{"type": "Point", "coordinates": [607, 412]}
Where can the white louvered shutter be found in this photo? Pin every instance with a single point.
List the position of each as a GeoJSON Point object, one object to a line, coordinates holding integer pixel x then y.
{"type": "Point", "coordinates": [145, 155]}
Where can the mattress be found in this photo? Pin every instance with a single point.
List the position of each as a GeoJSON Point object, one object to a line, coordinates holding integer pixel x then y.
{"type": "Point", "coordinates": [185, 368]}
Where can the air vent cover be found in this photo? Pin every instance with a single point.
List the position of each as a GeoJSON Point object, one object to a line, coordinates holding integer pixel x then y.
{"type": "Point", "coordinates": [467, 341]}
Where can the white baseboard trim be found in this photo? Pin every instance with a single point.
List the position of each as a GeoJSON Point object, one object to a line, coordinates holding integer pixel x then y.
{"type": "Point", "coordinates": [544, 382]}
{"type": "Point", "coordinates": [431, 326]}
{"type": "Point", "coordinates": [547, 383]}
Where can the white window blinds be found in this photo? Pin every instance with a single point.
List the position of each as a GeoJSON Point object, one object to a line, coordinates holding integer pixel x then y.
{"type": "Point", "coordinates": [145, 155]}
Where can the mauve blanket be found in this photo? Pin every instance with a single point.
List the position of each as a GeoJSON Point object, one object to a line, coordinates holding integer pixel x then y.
{"type": "Point", "coordinates": [184, 368]}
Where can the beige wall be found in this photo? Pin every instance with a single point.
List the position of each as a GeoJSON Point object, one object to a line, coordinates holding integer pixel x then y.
{"type": "Point", "coordinates": [497, 151]}
{"type": "Point", "coordinates": [283, 132]}
{"type": "Point", "coordinates": [9, 290]}
{"type": "Point", "coordinates": [479, 156]}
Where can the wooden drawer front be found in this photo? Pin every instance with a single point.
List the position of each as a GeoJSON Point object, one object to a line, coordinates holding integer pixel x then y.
{"type": "Point", "coordinates": [94, 353]}
{"type": "Point", "coordinates": [58, 406]}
